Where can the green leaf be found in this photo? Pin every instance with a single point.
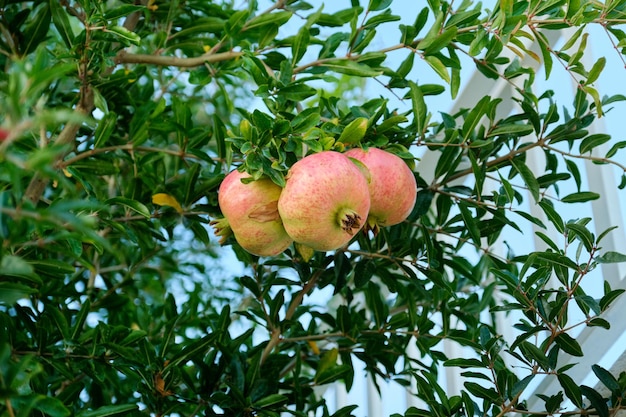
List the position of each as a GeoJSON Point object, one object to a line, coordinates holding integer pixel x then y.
{"type": "Point", "coordinates": [607, 379]}
{"type": "Point", "coordinates": [608, 298]}
{"type": "Point", "coordinates": [354, 131]}
{"type": "Point", "coordinates": [597, 401]}
{"type": "Point", "coordinates": [419, 107]}
{"type": "Point", "coordinates": [384, 17]}
{"type": "Point", "coordinates": [278, 18]}
{"type": "Point", "coordinates": [81, 317]}
{"type": "Point", "coordinates": [439, 67]}
{"type": "Point", "coordinates": [511, 129]}
{"type": "Point", "coordinates": [616, 147]}
{"type": "Point", "coordinates": [122, 11]}
{"type": "Point", "coordinates": [599, 322]}
{"type": "Point", "coordinates": [609, 257]}
{"type": "Point", "coordinates": [11, 292]}
{"type": "Point", "coordinates": [305, 120]}
{"type": "Point", "coordinates": [478, 390]}
{"type": "Point", "coordinates": [593, 141]}
{"type": "Point", "coordinates": [552, 215]}
{"type": "Point", "coordinates": [124, 35]}
{"type": "Point", "coordinates": [473, 117]}
{"type": "Point", "coordinates": [464, 363]}
{"type": "Point", "coordinates": [521, 385]}
{"type": "Point", "coordinates": [105, 128]}
{"type": "Point", "coordinates": [585, 236]}
{"type": "Point", "coordinates": [375, 5]}
{"type": "Point", "coordinates": [556, 259]}
{"type": "Point", "coordinates": [546, 52]}
{"type": "Point", "coordinates": [36, 28]}
{"type": "Point", "coordinates": [62, 23]}
{"type": "Point", "coordinates": [297, 92]}
{"type": "Point", "coordinates": [271, 401]}
{"type": "Point", "coordinates": [471, 224]}
{"type": "Point", "coordinates": [12, 265]}
{"type": "Point", "coordinates": [568, 344]}
{"type": "Point", "coordinates": [595, 70]}
{"type": "Point", "coordinates": [300, 45]}
{"type": "Point", "coordinates": [134, 205]}
{"type": "Point", "coordinates": [580, 197]}
{"type": "Point", "coordinates": [108, 410]}
{"type": "Point", "coordinates": [345, 411]}
{"type": "Point", "coordinates": [349, 67]}
{"type": "Point", "coordinates": [572, 390]}
{"type": "Point", "coordinates": [529, 178]}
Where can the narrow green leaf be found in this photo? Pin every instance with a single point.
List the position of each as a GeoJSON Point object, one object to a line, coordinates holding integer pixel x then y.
{"type": "Point", "coordinates": [81, 317]}
{"type": "Point", "coordinates": [419, 107]}
{"type": "Point", "coordinates": [278, 18]}
{"type": "Point", "coordinates": [546, 54]}
{"type": "Point", "coordinates": [271, 401]}
{"type": "Point", "coordinates": [596, 98]}
{"type": "Point", "coordinates": [585, 236]}
{"type": "Point", "coordinates": [529, 178]}
{"type": "Point", "coordinates": [300, 45]}
{"type": "Point", "coordinates": [349, 67]}
{"type": "Point", "coordinates": [568, 344]}
{"type": "Point", "coordinates": [556, 259]}
{"type": "Point", "coordinates": [599, 322]}
{"type": "Point", "coordinates": [608, 298]}
{"type": "Point", "coordinates": [553, 215]}
{"type": "Point", "coordinates": [354, 131]}
{"type": "Point", "coordinates": [609, 257]}
{"type": "Point", "coordinates": [471, 223]}
{"type": "Point", "coordinates": [511, 129]}
{"type": "Point", "coordinates": [521, 385]}
{"type": "Point", "coordinates": [108, 410]}
{"type": "Point", "coordinates": [593, 141]}
{"type": "Point", "coordinates": [473, 117]}
{"type": "Point", "coordinates": [616, 147]}
{"type": "Point", "coordinates": [105, 128]}
{"type": "Point", "coordinates": [124, 35]}
{"type": "Point", "coordinates": [606, 378]}
{"type": "Point", "coordinates": [595, 70]}
{"type": "Point", "coordinates": [580, 197]}
{"type": "Point", "coordinates": [36, 28]}
{"type": "Point", "coordinates": [62, 22]}
{"type": "Point", "coordinates": [598, 402]}
{"type": "Point", "coordinates": [439, 67]}
{"type": "Point", "coordinates": [573, 169]}
{"type": "Point", "coordinates": [478, 390]}
{"type": "Point", "coordinates": [571, 389]}
{"type": "Point", "coordinates": [131, 204]}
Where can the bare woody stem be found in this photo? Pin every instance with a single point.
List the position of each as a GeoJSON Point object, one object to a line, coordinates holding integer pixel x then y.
{"type": "Point", "coordinates": [38, 185]}
{"type": "Point", "coordinates": [124, 57]}
{"type": "Point", "coordinates": [291, 310]}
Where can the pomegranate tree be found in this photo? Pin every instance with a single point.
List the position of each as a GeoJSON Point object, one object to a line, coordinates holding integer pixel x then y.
{"type": "Point", "coordinates": [392, 186]}
{"type": "Point", "coordinates": [250, 211]}
{"type": "Point", "coordinates": [325, 200]}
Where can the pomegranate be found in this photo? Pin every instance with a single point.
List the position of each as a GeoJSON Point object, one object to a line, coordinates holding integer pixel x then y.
{"type": "Point", "coordinates": [250, 211]}
{"type": "Point", "coordinates": [325, 200]}
{"type": "Point", "coordinates": [392, 186]}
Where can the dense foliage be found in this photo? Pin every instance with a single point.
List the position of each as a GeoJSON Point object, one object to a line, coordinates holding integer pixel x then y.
{"type": "Point", "coordinates": [120, 119]}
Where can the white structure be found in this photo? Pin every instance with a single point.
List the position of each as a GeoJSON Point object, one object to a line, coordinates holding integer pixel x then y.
{"type": "Point", "coordinates": [605, 212]}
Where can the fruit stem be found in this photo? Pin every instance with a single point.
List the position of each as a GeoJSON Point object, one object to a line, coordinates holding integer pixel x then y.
{"type": "Point", "coordinates": [350, 221]}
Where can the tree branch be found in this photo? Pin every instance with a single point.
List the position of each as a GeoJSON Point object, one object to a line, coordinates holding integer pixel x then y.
{"type": "Point", "coordinates": [38, 185]}
{"type": "Point", "coordinates": [291, 310]}
{"type": "Point", "coordinates": [124, 57]}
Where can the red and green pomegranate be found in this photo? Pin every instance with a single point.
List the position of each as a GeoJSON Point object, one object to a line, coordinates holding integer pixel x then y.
{"type": "Point", "coordinates": [325, 201]}
{"type": "Point", "coordinates": [392, 186]}
{"type": "Point", "coordinates": [250, 210]}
